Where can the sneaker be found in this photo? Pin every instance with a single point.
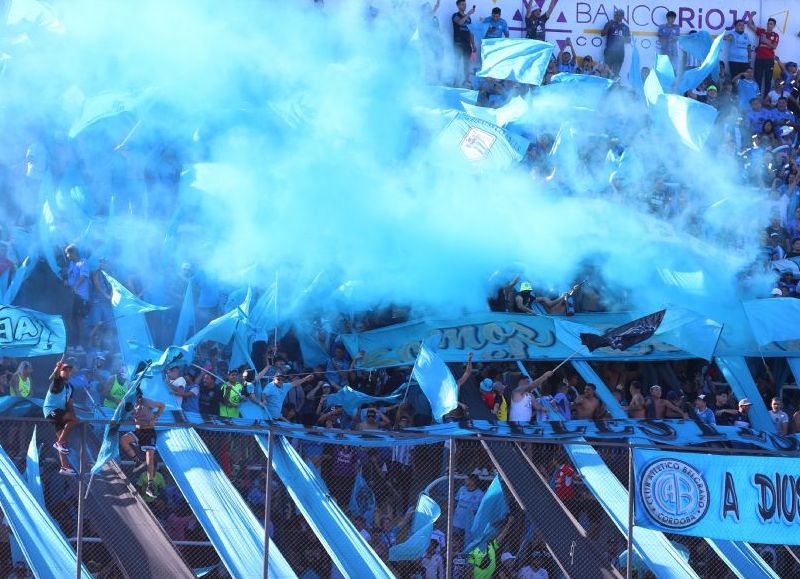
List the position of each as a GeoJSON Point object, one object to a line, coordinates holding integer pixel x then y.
{"type": "Point", "coordinates": [150, 490]}
{"type": "Point", "coordinates": [68, 471]}
{"type": "Point", "coordinates": [61, 448]}
{"type": "Point", "coordinates": [138, 463]}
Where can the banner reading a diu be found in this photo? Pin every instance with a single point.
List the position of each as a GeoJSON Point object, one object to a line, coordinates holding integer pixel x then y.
{"type": "Point", "coordinates": [25, 333]}
{"type": "Point", "coordinates": [730, 497]}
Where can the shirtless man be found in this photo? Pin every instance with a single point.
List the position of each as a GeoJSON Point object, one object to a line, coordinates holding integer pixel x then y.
{"type": "Point", "coordinates": [661, 405]}
{"type": "Point", "coordinates": [637, 408]}
{"type": "Point", "coordinates": [588, 405]}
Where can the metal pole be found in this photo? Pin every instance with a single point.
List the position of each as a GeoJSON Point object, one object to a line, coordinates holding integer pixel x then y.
{"type": "Point", "coordinates": [268, 502]}
{"type": "Point", "coordinates": [451, 491]}
{"type": "Point", "coordinates": [629, 570]}
{"type": "Point", "coordinates": [79, 547]}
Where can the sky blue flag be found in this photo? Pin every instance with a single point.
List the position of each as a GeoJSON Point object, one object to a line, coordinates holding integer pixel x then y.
{"type": "Point", "coordinates": [490, 515]}
{"type": "Point", "coordinates": [33, 479]}
{"type": "Point", "coordinates": [25, 333]}
{"type": "Point", "coordinates": [186, 320]}
{"type": "Point", "coordinates": [435, 379]}
{"type": "Point", "coordinates": [665, 72]}
{"type": "Point", "coordinates": [483, 145]}
{"type": "Point", "coordinates": [696, 44]}
{"type": "Point", "coordinates": [512, 111]}
{"type": "Point", "coordinates": [44, 546]}
{"type": "Point", "coordinates": [4, 282]}
{"type": "Point", "coordinates": [652, 88]}
{"type": "Point", "coordinates": [635, 73]}
{"type": "Point", "coordinates": [689, 121]}
{"type": "Point", "coordinates": [133, 332]}
{"type": "Point", "coordinates": [692, 78]}
{"type": "Point", "coordinates": [23, 272]}
{"type": "Point", "coordinates": [448, 97]}
{"type": "Point", "coordinates": [773, 319]}
{"type": "Point", "coordinates": [518, 59]}
{"type": "Point", "coordinates": [313, 352]}
{"type": "Point", "coordinates": [110, 104]}
{"type": "Point", "coordinates": [223, 328]}
{"type": "Point", "coordinates": [416, 544]}
{"type": "Point", "coordinates": [109, 449]}
{"type": "Point", "coordinates": [47, 222]}
{"type": "Point", "coordinates": [350, 399]}
{"type": "Point", "coordinates": [362, 500]}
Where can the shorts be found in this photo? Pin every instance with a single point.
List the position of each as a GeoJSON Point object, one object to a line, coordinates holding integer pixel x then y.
{"type": "Point", "coordinates": [57, 418]}
{"type": "Point", "coordinates": [464, 49]}
{"type": "Point", "coordinates": [145, 438]}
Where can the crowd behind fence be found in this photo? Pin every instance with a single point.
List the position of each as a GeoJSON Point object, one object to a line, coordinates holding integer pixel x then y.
{"type": "Point", "coordinates": [377, 489]}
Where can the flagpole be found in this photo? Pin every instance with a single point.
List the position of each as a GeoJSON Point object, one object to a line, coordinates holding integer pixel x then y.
{"type": "Point", "coordinates": [571, 356]}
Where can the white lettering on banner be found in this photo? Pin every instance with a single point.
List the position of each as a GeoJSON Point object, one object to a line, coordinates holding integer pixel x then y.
{"type": "Point", "coordinates": [582, 21]}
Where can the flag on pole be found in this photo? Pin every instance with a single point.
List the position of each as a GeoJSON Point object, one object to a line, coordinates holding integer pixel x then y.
{"type": "Point", "coordinates": [435, 379]}
{"type": "Point", "coordinates": [625, 336]}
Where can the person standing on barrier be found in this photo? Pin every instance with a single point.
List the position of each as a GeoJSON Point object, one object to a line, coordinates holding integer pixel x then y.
{"type": "Point", "coordinates": [58, 410]}
{"type": "Point", "coordinates": [145, 414]}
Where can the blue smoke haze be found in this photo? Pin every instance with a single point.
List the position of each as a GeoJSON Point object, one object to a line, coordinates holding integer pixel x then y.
{"type": "Point", "coordinates": [307, 142]}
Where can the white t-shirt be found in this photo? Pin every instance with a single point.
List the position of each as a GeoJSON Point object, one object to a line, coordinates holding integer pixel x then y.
{"type": "Point", "coordinates": [521, 411]}
{"type": "Point", "coordinates": [178, 383]}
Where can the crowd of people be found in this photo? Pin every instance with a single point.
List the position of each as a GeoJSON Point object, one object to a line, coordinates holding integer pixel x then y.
{"type": "Point", "coordinates": [757, 98]}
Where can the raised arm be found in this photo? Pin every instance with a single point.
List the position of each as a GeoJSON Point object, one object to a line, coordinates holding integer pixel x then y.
{"type": "Point", "coordinates": [467, 371]}
{"type": "Point", "coordinates": [551, 8]}
{"type": "Point", "coordinates": [749, 22]}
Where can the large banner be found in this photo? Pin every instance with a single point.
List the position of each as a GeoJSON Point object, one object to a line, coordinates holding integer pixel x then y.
{"type": "Point", "coordinates": [25, 333]}
{"type": "Point", "coordinates": [582, 21]}
{"type": "Point", "coordinates": [730, 497]}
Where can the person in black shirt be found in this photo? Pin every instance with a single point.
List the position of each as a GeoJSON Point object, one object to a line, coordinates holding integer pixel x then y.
{"type": "Point", "coordinates": [535, 21]}
{"type": "Point", "coordinates": [463, 41]}
{"type": "Point", "coordinates": [617, 36]}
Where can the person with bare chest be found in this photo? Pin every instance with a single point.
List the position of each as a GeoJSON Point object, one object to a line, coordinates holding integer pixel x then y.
{"type": "Point", "coordinates": [637, 407]}
{"type": "Point", "coordinates": [661, 405]}
{"type": "Point", "coordinates": [588, 405]}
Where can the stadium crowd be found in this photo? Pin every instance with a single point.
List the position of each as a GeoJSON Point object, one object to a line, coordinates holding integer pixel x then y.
{"type": "Point", "coordinates": [757, 99]}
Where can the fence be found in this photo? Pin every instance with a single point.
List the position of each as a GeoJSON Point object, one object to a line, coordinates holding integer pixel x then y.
{"type": "Point", "coordinates": [209, 517]}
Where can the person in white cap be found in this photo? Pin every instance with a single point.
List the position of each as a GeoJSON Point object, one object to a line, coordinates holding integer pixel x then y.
{"type": "Point", "coordinates": [703, 412]}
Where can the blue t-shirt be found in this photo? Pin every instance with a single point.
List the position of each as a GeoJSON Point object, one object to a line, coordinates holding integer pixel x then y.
{"type": "Point", "coordinates": [569, 66]}
{"type": "Point", "coordinates": [618, 35]}
{"type": "Point", "coordinates": [748, 90]}
{"type": "Point", "coordinates": [668, 39]}
{"type": "Point", "coordinates": [76, 271]}
{"type": "Point", "coordinates": [497, 29]}
{"type": "Point", "coordinates": [273, 397]}
{"type": "Point", "coordinates": [737, 51]}
{"type": "Point", "coordinates": [56, 401]}
{"type": "Point", "coordinates": [755, 120]}
{"type": "Point", "coordinates": [706, 416]}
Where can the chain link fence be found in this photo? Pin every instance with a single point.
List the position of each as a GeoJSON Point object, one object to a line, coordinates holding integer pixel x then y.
{"type": "Point", "coordinates": [552, 525]}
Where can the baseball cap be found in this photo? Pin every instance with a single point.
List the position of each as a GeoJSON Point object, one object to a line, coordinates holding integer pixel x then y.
{"type": "Point", "coordinates": [486, 385]}
{"type": "Point", "coordinates": [506, 557]}
{"type": "Point", "coordinates": [525, 286]}
{"type": "Point", "coordinates": [702, 397]}
{"type": "Point", "coordinates": [745, 402]}
{"type": "Point", "coordinates": [711, 87]}
{"type": "Point", "coordinates": [776, 292]}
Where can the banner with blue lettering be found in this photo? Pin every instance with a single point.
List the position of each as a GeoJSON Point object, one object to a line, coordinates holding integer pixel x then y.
{"type": "Point", "coordinates": [508, 337]}
{"type": "Point", "coordinates": [733, 497]}
{"type": "Point", "coordinates": [25, 333]}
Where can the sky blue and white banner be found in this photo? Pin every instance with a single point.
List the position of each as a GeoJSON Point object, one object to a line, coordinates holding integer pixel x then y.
{"type": "Point", "coordinates": [722, 496]}
{"type": "Point", "coordinates": [25, 333]}
{"type": "Point", "coordinates": [483, 146]}
{"type": "Point", "coordinates": [773, 320]}
{"type": "Point", "coordinates": [508, 337]}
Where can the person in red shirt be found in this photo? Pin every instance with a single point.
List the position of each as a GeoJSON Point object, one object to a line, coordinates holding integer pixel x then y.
{"type": "Point", "coordinates": [564, 482]}
{"type": "Point", "coordinates": [765, 53]}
